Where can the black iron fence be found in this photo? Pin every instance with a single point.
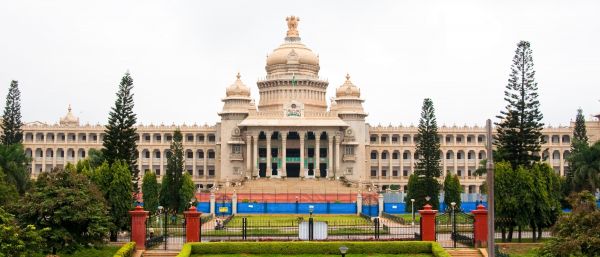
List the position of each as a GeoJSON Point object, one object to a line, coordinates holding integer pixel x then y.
{"type": "Point", "coordinates": [302, 228]}
{"type": "Point", "coordinates": [165, 231]}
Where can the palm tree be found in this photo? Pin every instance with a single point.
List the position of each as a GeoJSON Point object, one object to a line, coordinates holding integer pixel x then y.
{"type": "Point", "coordinates": [586, 175]}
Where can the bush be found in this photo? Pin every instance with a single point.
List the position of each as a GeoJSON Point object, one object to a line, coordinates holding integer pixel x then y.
{"type": "Point", "coordinates": [388, 247]}
{"type": "Point", "coordinates": [126, 250]}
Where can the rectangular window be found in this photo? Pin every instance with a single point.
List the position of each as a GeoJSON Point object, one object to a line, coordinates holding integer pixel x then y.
{"type": "Point", "coordinates": [384, 173]}
{"type": "Point", "coordinates": [237, 149]}
{"type": "Point", "coordinates": [373, 173]}
{"type": "Point", "coordinates": [211, 172]}
{"type": "Point", "coordinates": [147, 138]}
{"type": "Point", "coordinates": [405, 173]}
{"type": "Point", "coordinates": [395, 173]}
{"type": "Point", "coordinates": [190, 155]}
{"type": "Point", "coordinates": [190, 138]}
{"type": "Point", "coordinates": [349, 150]}
{"type": "Point", "coordinates": [157, 172]}
{"type": "Point", "coordinates": [190, 172]}
{"type": "Point", "coordinates": [200, 172]}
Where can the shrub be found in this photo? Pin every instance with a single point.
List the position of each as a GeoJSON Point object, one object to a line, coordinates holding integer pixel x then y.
{"type": "Point", "coordinates": [388, 247]}
{"type": "Point", "coordinates": [126, 250]}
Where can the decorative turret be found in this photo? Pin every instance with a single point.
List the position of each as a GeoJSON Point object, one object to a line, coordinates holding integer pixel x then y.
{"type": "Point", "coordinates": [348, 103]}
{"type": "Point", "coordinates": [237, 99]}
{"type": "Point", "coordinates": [69, 119]}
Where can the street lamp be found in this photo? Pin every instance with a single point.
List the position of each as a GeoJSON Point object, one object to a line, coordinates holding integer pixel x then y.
{"type": "Point", "coordinates": [427, 198]}
{"type": "Point", "coordinates": [311, 208]}
{"type": "Point", "coordinates": [412, 200]}
{"type": "Point", "coordinates": [343, 250]}
{"type": "Point", "coordinates": [453, 204]}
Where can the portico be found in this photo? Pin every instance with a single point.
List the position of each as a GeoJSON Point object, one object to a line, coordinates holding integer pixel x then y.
{"type": "Point", "coordinates": [297, 153]}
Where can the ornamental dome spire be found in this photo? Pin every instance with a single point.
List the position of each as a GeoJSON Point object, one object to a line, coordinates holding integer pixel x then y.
{"type": "Point", "coordinates": [238, 88]}
{"type": "Point", "coordinates": [348, 89]}
{"type": "Point", "coordinates": [69, 119]}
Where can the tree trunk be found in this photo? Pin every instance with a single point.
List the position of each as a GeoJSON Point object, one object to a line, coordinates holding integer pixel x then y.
{"type": "Point", "coordinates": [539, 233]}
{"type": "Point", "coordinates": [113, 236]}
{"type": "Point", "coordinates": [520, 230]}
{"type": "Point", "coordinates": [510, 233]}
{"type": "Point", "coordinates": [533, 230]}
{"type": "Point", "coordinates": [503, 229]}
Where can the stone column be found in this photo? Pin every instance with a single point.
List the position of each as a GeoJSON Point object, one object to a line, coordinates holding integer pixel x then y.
{"type": "Point", "coordinates": [338, 142]}
{"type": "Point", "coordinates": [481, 228]}
{"type": "Point", "coordinates": [330, 171]}
{"type": "Point", "coordinates": [358, 204]}
{"type": "Point", "coordinates": [283, 153]}
{"type": "Point", "coordinates": [234, 200]}
{"type": "Point", "coordinates": [205, 165]}
{"type": "Point", "coordinates": [248, 155]}
{"type": "Point", "coordinates": [380, 204]}
{"type": "Point", "coordinates": [269, 171]}
{"type": "Point", "coordinates": [427, 223]}
{"type": "Point", "coordinates": [317, 155]}
{"type": "Point", "coordinates": [302, 172]}
{"type": "Point", "coordinates": [138, 227]}
{"type": "Point", "coordinates": [212, 204]}
{"type": "Point", "coordinates": [192, 225]}
{"type": "Point", "coordinates": [255, 159]}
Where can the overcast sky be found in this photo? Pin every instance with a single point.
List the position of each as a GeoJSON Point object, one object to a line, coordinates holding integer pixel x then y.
{"type": "Point", "coordinates": [183, 54]}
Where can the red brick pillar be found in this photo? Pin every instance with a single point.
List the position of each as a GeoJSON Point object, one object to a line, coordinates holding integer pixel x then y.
{"type": "Point", "coordinates": [138, 227]}
{"type": "Point", "coordinates": [481, 226]}
{"type": "Point", "coordinates": [427, 223]}
{"type": "Point", "coordinates": [192, 225]}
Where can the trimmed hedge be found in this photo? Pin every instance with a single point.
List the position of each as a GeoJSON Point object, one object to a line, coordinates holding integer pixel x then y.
{"type": "Point", "coordinates": [126, 250]}
{"type": "Point", "coordinates": [331, 248]}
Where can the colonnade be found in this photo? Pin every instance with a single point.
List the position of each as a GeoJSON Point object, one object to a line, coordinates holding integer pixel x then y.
{"type": "Point", "coordinates": [293, 141]}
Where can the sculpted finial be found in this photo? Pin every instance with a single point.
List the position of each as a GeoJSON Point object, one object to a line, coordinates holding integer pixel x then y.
{"type": "Point", "coordinates": [238, 75]}
{"type": "Point", "coordinates": [292, 23]}
{"type": "Point", "coordinates": [347, 76]}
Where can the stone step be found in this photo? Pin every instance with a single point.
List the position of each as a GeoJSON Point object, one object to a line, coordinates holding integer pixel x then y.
{"type": "Point", "coordinates": [464, 253]}
{"type": "Point", "coordinates": [157, 253]}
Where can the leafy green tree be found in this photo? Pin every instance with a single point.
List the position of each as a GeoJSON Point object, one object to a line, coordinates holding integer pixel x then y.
{"type": "Point", "coordinates": [102, 177]}
{"type": "Point", "coordinates": [13, 162]}
{"type": "Point", "coordinates": [413, 190]}
{"type": "Point", "coordinates": [11, 120]}
{"type": "Point", "coordinates": [120, 139]}
{"type": "Point", "coordinates": [427, 167]}
{"type": "Point", "coordinates": [519, 132]}
{"type": "Point", "coordinates": [169, 194]}
{"type": "Point", "coordinates": [70, 205]}
{"type": "Point", "coordinates": [514, 201]}
{"type": "Point", "coordinates": [8, 192]}
{"type": "Point", "coordinates": [119, 197]}
{"type": "Point", "coordinates": [586, 167]}
{"type": "Point", "coordinates": [150, 190]}
{"type": "Point", "coordinates": [16, 241]}
{"type": "Point", "coordinates": [95, 157]}
{"type": "Point", "coordinates": [452, 190]}
{"type": "Point", "coordinates": [186, 191]}
{"type": "Point", "coordinates": [546, 198]}
{"type": "Point", "coordinates": [576, 234]}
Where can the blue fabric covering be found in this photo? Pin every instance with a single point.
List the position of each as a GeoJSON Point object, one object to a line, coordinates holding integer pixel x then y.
{"type": "Point", "coordinates": [301, 208]}
{"type": "Point", "coordinates": [203, 207]}
{"type": "Point", "coordinates": [370, 210]}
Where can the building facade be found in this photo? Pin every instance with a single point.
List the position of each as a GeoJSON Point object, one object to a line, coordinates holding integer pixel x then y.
{"type": "Point", "coordinates": [293, 132]}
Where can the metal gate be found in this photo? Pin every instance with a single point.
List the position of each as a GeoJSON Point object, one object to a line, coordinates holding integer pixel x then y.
{"type": "Point", "coordinates": [454, 228]}
{"type": "Point", "coordinates": [165, 230]}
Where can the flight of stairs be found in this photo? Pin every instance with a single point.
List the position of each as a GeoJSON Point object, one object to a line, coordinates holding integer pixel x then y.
{"type": "Point", "coordinates": [464, 253]}
{"type": "Point", "coordinates": [157, 253]}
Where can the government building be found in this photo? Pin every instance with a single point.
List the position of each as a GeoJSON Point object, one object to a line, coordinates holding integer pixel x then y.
{"type": "Point", "coordinates": [292, 132]}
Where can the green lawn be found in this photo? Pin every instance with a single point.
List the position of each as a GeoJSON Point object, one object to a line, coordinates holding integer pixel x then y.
{"type": "Point", "coordinates": [520, 249]}
{"type": "Point", "coordinates": [408, 217]}
{"type": "Point", "coordinates": [311, 255]}
{"type": "Point", "coordinates": [104, 251]}
{"type": "Point", "coordinates": [292, 220]}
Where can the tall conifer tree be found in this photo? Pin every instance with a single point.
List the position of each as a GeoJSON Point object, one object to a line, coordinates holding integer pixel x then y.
{"type": "Point", "coordinates": [172, 181]}
{"type": "Point", "coordinates": [427, 167]}
{"type": "Point", "coordinates": [120, 139]}
{"type": "Point", "coordinates": [150, 188]}
{"type": "Point", "coordinates": [579, 142]}
{"type": "Point", "coordinates": [519, 132]}
{"type": "Point", "coordinates": [11, 120]}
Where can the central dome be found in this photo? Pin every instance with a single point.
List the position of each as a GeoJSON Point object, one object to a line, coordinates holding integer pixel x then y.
{"type": "Point", "coordinates": [292, 57]}
{"type": "Point", "coordinates": [292, 51]}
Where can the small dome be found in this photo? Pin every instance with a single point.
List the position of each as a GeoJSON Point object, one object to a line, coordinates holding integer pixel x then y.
{"type": "Point", "coordinates": [69, 119]}
{"type": "Point", "coordinates": [238, 88]}
{"type": "Point", "coordinates": [347, 89]}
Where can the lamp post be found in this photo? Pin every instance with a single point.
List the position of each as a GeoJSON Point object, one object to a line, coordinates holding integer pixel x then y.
{"type": "Point", "coordinates": [297, 204]}
{"type": "Point", "coordinates": [343, 250]}
{"type": "Point", "coordinates": [453, 235]}
{"type": "Point", "coordinates": [427, 198]}
{"type": "Point", "coordinates": [412, 200]}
